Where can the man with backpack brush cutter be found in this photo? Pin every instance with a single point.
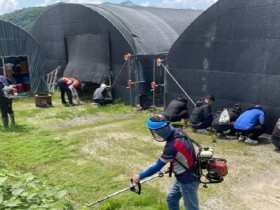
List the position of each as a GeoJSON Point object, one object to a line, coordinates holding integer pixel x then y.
{"type": "Point", "coordinates": [180, 152]}
{"type": "Point", "coordinates": [189, 169]}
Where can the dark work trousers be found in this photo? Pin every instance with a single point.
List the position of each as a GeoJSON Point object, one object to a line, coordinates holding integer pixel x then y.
{"type": "Point", "coordinates": [182, 115]}
{"type": "Point", "coordinates": [221, 128]}
{"type": "Point", "coordinates": [6, 106]}
{"type": "Point", "coordinates": [255, 132]}
{"type": "Point", "coordinates": [203, 125]}
{"type": "Point", "coordinates": [103, 102]}
{"type": "Point", "coordinates": [64, 89]}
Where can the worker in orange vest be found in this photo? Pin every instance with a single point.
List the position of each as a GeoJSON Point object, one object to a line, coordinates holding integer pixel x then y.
{"type": "Point", "coordinates": [68, 85]}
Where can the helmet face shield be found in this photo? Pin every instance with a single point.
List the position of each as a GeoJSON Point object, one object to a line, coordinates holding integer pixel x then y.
{"type": "Point", "coordinates": [161, 134]}
{"type": "Point", "coordinates": [160, 127]}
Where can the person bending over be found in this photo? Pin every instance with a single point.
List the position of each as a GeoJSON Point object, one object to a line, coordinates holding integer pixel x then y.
{"type": "Point", "coordinates": [68, 85]}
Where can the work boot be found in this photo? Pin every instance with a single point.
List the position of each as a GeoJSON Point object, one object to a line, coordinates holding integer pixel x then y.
{"type": "Point", "coordinates": [12, 118]}
{"type": "Point", "coordinates": [5, 121]}
{"type": "Point", "coordinates": [185, 123]}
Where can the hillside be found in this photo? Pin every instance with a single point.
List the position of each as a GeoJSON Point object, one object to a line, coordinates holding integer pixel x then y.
{"type": "Point", "coordinates": [24, 18]}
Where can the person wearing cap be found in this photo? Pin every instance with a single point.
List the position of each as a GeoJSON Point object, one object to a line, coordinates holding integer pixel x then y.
{"type": "Point", "coordinates": [68, 85]}
{"type": "Point", "coordinates": [177, 110]}
{"type": "Point", "coordinates": [220, 124]}
{"type": "Point", "coordinates": [250, 124]}
{"type": "Point", "coordinates": [201, 116]}
{"type": "Point", "coordinates": [275, 137]}
{"type": "Point", "coordinates": [101, 95]}
{"type": "Point", "coordinates": [178, 151]}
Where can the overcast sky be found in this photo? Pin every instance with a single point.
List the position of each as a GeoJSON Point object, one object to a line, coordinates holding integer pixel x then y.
{"type": "Point", "coordinates": [7, 6]}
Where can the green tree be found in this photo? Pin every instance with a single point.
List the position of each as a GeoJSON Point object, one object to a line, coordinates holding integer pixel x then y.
{"type": "Point", "coordinates": [24, 18]}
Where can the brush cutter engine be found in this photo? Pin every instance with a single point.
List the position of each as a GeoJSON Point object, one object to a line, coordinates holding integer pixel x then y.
{"type": "Point", "coordinates": [210, 170]}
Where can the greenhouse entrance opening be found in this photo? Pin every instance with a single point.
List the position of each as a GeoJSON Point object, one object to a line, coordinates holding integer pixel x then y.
{"type": "Point", "coordinates": [17, 69]}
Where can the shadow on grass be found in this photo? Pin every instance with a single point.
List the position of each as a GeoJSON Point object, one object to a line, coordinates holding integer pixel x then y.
{"type": "Point", "coordinates": [263, 140]}
{"type": "Point", "coordinates": [74, 104]}
{"type": "Point", "coordinates": [15, 129]}
{"type": "Point", "coordinates": [177, 125]}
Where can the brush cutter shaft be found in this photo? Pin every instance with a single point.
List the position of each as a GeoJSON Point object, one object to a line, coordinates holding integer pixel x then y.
{"type": "Point", "coordinates": [133, 187]}
{"type": "Point", "coordinates": [160, 174]}
{"type": "Point", "coordinates": [107, 197]}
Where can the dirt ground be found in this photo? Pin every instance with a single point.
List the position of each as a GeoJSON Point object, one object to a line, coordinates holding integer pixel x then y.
{"type": "Point", "coordinates": [253, 181]}
{"type": "Point", "coordinates": [261, 190]}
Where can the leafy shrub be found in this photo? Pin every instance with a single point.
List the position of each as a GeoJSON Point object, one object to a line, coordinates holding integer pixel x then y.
{"type": "Point", "coordinates": [25, 191]}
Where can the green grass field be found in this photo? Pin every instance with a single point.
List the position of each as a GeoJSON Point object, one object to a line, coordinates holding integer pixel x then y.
{"type": "Point", "coordinates": [93, 151]}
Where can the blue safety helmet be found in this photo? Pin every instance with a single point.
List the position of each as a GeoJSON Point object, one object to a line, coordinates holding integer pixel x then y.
{"type": "Point", "coordinates": [160, 127]}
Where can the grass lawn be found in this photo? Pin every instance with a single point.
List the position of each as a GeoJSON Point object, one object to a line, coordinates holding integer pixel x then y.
{"type": "Point", "coordinates": [93, 151]}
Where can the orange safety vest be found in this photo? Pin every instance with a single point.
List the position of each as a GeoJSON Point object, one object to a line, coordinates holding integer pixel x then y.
{"type": "Point", "coordinates": [70, 80]}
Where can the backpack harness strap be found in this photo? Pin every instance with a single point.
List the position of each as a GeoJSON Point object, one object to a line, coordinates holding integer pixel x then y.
{"type": "Point", "coordinates": [182, 134]}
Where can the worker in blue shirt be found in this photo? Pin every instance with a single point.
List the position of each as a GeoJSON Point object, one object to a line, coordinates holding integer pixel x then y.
{"type": "Point", "coordinates": [250, 124]}
{"type": "Point", "coordinates": [180, 152]}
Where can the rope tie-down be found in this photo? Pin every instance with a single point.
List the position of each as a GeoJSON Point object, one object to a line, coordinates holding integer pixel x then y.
{"type": "Point", "coordinates": [159, 63]}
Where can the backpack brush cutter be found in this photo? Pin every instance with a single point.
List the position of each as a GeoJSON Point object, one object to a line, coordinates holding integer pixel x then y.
{"type": "Point", "coordinates": [208, 170]}
{"type": "Point", "coordinates": [212, 170]}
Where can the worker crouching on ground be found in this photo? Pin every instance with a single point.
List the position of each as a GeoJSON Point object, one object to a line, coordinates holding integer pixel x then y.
{"type": "Point", "coordinates": [6, 101]}
{"type": "Point", "coordinates": [250, 124]}
{"type": "Point", "coordinates": [177, 110]}
{"type": "Point", "coordinates": [180, 152]}
{"type": "Point", "coordinates": [201, 117]}
{"type": "Point", "coordinates": [225, 120]}
{"type": "Point", "coordinates": [68, 85]}
{"type": "Point", "coordinates": [101, 95]}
